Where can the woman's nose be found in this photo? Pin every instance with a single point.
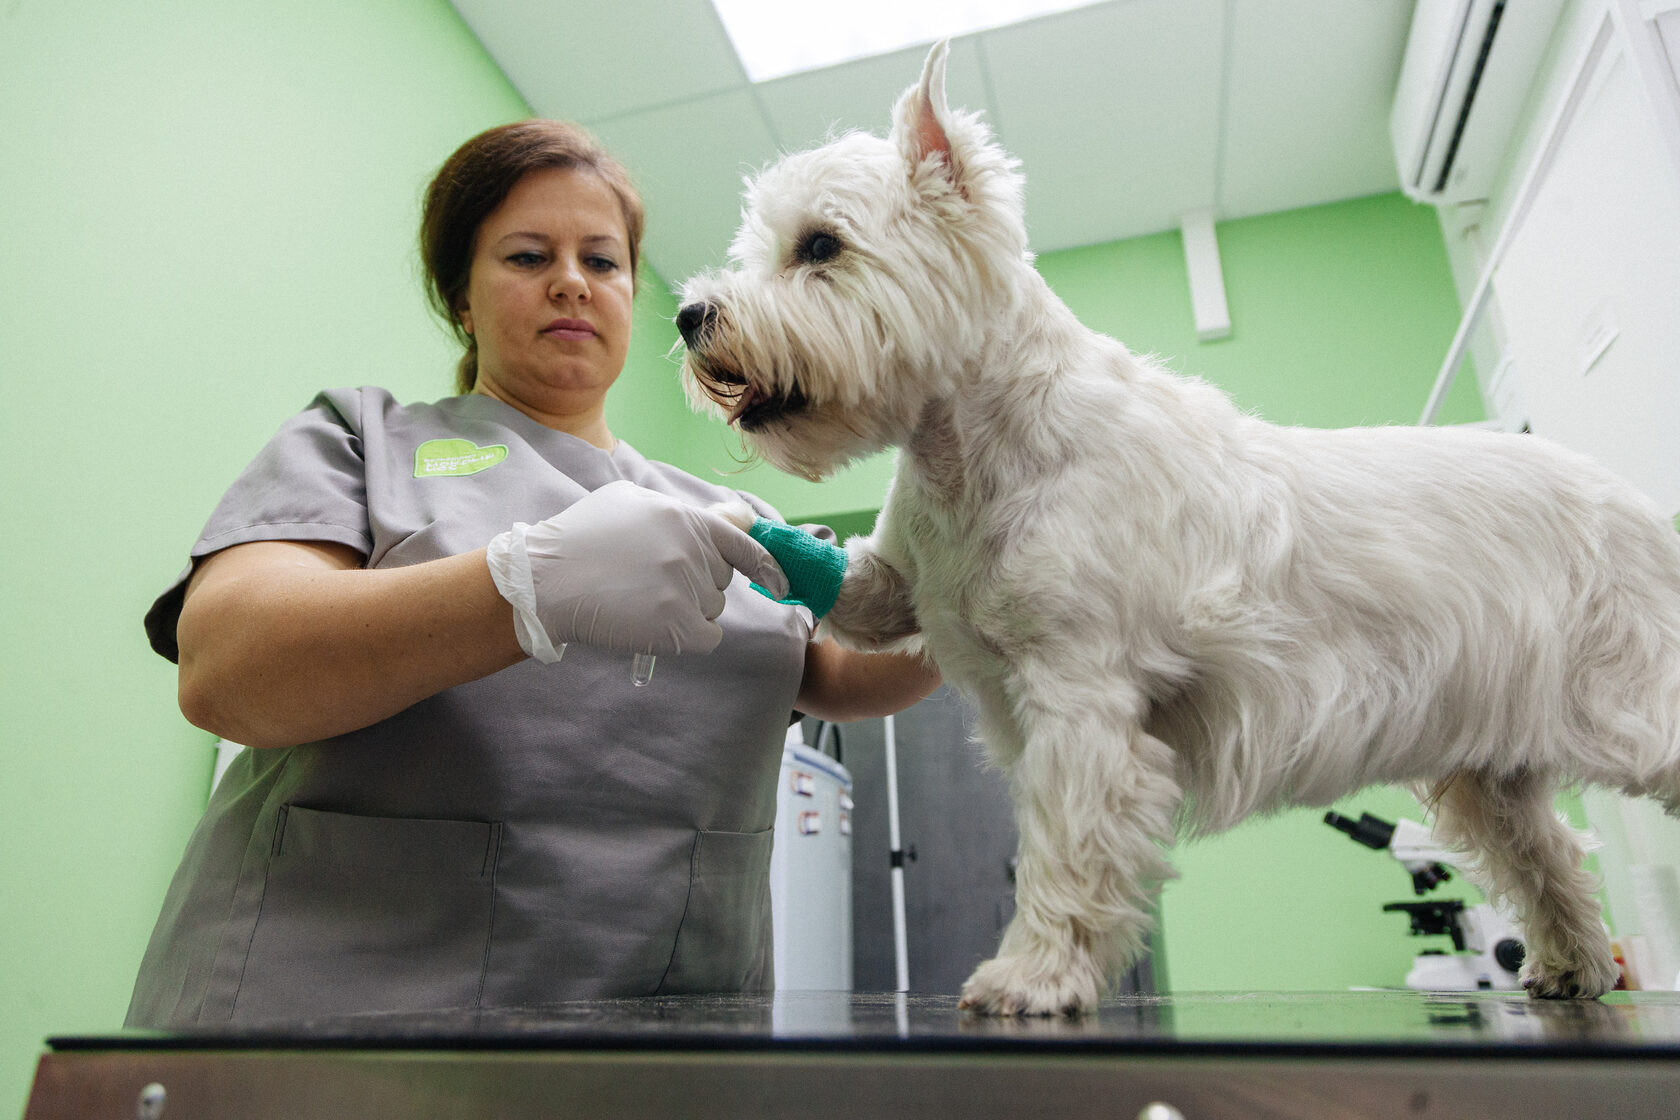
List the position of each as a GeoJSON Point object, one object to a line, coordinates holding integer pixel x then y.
{"type": "Point", "coordinates": [569, 281]}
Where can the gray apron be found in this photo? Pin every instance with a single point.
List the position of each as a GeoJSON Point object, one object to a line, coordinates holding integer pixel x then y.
{"type": "Point", "coordinates": [548, 832]}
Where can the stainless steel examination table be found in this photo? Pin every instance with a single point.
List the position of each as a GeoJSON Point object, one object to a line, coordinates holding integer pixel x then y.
{"type": "Point", "coordinates": [1377, 1054]}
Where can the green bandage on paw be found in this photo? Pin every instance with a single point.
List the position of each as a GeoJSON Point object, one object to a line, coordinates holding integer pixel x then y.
{"type": "Point", "coordinates": [813, 568]}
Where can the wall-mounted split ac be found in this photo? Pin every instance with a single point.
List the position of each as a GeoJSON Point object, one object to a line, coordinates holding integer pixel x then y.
{"type": "Point", "coordinates": [1468, 68]}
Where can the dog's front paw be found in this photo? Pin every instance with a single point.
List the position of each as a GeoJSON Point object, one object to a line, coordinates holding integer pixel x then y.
{"type": "Point", "coordinates": [1023, 985]}
{"type": "Point", "coordinates": [1568, 979]}
{"type": "Point", "coordinates": [874, 611]}
{"type": "Point", "coordinates": [736, 512]}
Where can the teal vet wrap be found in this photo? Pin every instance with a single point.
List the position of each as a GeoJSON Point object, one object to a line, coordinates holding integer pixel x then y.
{"type": "Point", "coordinates": [813, 568]}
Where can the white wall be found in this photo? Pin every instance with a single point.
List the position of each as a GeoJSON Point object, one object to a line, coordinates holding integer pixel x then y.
{"type": "Point", "coordinates": [1585, 324]}
{"type": "Point", "coordinates": [1589, 290]}
{"type": "Point", "coordinates": [1584, 321]}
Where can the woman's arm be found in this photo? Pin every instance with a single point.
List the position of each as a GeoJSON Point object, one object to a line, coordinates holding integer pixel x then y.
{"type": "Point", "coordinates": [842, 684]}
{"type": "Point", "coordinates": [287, 642]}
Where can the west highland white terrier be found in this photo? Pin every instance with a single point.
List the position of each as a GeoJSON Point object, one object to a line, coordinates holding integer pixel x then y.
{"type": "Point", "coordinates": [1171, 615]}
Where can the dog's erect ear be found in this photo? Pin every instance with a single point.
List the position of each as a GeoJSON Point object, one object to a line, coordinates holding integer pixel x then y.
{"type": "Point", "coordinates": [921, 118]}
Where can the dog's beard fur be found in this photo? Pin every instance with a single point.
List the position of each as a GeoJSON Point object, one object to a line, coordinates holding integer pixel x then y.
{"type": "Point", "coordinates": [1165, 608]}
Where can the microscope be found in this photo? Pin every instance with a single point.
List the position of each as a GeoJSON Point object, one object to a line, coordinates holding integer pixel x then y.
{"type": "Point", "coordinates": [1487, 949]}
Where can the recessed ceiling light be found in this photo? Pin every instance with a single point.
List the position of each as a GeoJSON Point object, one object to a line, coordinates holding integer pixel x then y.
{"type": "Point", "coordinates": [776, 38]}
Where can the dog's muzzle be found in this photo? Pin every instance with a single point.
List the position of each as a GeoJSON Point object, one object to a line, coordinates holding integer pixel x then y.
{"type": "Point", "coordinates": [762, 411]}
{"type": "Point", "coordinates": [748, 406]}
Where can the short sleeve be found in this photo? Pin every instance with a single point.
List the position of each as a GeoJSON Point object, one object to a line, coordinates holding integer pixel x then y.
{"type": "Point", "coordinates": [309, 483]}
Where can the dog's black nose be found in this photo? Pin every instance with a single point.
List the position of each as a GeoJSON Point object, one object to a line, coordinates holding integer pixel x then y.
{"type": "Point", "coordinates": [692, 318]}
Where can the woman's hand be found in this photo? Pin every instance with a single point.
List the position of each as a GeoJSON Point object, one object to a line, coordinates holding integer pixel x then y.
{"type": "Point", "coordinates": [628, 569]}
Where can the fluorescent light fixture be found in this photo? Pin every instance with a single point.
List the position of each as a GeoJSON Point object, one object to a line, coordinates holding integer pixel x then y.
{"type": "Point", "coordinates": [776, 38]}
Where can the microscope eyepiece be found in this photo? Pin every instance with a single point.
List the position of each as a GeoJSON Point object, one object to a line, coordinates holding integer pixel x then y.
{"type": "Point", "coordinates": [1373, 832]}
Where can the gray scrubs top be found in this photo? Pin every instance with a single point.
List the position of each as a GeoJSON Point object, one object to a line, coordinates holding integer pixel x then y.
{"type": "Point", "coordinates": [549, 832]}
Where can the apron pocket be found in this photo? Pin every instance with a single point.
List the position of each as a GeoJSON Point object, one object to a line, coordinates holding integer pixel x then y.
{"type": "Point", "coordinates": [370, 914]}
{"type": "Point", "coordinates": [724, 943]}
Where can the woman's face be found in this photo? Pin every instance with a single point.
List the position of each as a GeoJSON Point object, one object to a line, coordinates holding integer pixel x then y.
{"type": "Point", "coordinates": [549, 297]}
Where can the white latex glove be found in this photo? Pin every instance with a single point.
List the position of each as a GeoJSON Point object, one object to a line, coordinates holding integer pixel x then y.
{"type": "Point", "coordinates": [625, 568]}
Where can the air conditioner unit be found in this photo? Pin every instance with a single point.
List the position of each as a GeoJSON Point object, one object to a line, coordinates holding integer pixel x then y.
{"type": "Point", "coordinates": [1466, 74]}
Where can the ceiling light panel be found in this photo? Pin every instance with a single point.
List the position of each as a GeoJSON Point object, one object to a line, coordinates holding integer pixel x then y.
{"type": "Point", "coordinates": [775, 38]}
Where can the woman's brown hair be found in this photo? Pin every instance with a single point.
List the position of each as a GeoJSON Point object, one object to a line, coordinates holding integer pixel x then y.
{"type": "Point", "coordinates": [475, 180]}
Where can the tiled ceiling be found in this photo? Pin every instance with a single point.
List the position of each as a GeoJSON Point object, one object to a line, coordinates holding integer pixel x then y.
{"type": "Point", "coordinates": [1126, 113]}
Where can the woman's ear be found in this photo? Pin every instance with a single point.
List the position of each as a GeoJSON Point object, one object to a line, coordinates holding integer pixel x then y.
{"type": "Point", "coordinates": [464, 313]}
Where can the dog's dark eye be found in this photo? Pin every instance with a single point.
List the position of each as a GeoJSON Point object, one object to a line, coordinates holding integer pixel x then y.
{"type": "Point", "coordinates": [819, 247]}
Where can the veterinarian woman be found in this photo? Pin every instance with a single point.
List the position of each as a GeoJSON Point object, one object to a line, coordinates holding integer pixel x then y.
{"type": "Point", "coordinates": [441, 811]}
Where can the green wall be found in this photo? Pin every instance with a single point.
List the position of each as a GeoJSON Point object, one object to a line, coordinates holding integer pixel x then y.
{"type": "Point", "coordinates": [210, 213]}
{"type": "Point", "coordinates": [1340, 314]}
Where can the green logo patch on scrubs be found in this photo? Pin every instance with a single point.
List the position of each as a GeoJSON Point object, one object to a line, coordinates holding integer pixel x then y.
{"type": "Point", "coordinates": [455, 457]}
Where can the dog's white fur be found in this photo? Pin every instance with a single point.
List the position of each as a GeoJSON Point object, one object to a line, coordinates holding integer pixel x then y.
{"type": "Point", "coordinates": [1169, 612]}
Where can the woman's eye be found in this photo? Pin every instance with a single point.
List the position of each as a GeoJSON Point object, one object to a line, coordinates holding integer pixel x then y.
{"type": "Point", "coordinates": [526, 259]}
{"type": "Point", "coordinates": [819, 247]}
{"type": "Point", "coordinates": [602, 264]}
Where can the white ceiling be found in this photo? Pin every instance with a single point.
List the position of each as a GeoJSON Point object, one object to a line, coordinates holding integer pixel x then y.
{"type": "Point", "coordinates": [1126, 113]}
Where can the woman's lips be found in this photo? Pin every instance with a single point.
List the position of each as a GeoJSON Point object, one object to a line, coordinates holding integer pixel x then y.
{"type": "Point", "coordinates": [570, 330]}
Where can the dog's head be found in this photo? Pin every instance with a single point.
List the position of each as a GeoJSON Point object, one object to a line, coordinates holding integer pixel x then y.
{"type": "Point", "coordinates": [866, 276]}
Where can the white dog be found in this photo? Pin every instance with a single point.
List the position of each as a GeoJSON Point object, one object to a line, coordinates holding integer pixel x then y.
{"type": "Point", "coordinates": [1169, 612]}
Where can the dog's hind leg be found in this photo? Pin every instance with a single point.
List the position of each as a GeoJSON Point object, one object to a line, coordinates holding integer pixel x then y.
{"type": "Point", "coordinates": [1530, 858]}
{"type": "Point", "coordinates": [1095, 804]}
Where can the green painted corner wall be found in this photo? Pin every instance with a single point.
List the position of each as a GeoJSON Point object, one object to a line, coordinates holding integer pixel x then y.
{"type": "Point", "coordinates": [210, 215]}
{"type": "Point", "coordinates": [1340, 313]}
